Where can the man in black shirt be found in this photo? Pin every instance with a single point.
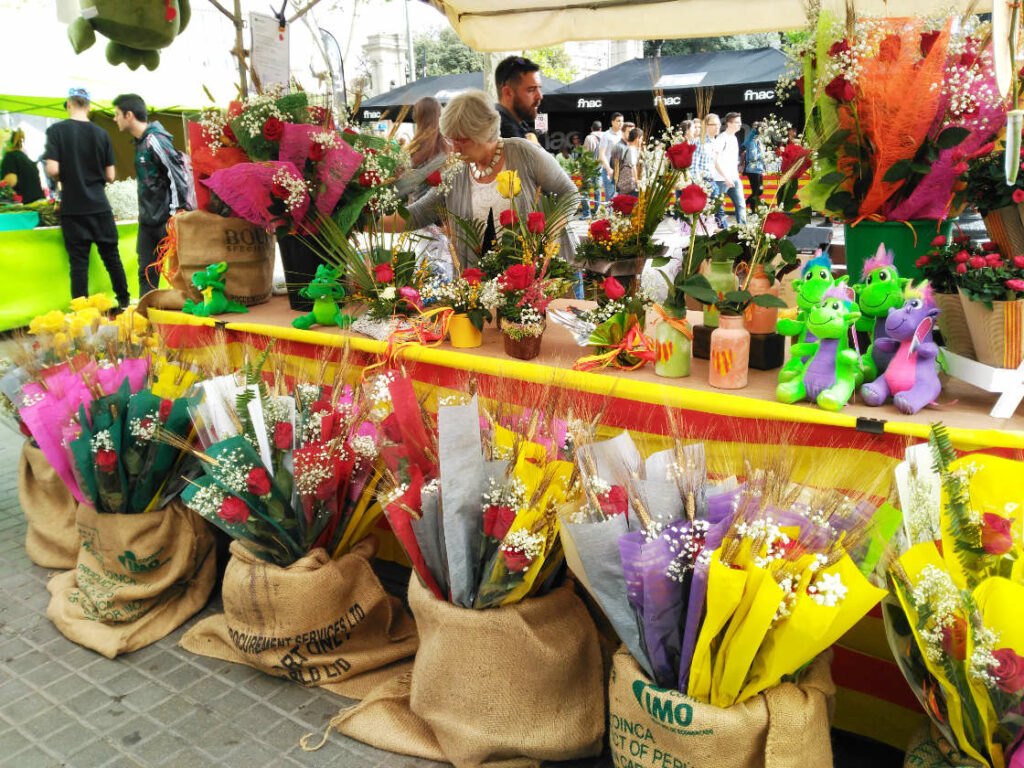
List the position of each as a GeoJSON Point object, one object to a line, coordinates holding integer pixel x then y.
{"type": "Point", "coordinates": [81, 156]}
{"type": "Point", "coordinates": [519, 95]}
{"type": "Point", "coordinates": [20, 172]}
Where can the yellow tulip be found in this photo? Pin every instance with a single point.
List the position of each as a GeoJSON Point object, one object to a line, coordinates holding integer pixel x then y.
{"type": "Point", "coordinates": [508, 184]}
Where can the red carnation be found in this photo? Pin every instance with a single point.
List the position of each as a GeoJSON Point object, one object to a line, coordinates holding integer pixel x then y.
{"type": "Point", "coordinates": [165, 409]}
{"type": "Point", "coordinates": [258, 481]}
{"type": "Point", "coordinates": [233, 510]}
{"type": "Point", "coordinates": [507, 217]}
{"type": "Point", "coordinates": [316, 151]}
{"type": "Point", "coordinates": [613, 288]}
{"type": "Point", "coordinates": [938, 241]}
{"type": "Point", "coordinates": [106, 460]}
{"type": "Point", "coordinates": [434, 179]}
{"type": "Point", "coordinates": [681, 155]}
{"type": "Point", "coordinates": [535, 222]}
{"type": "Point", "coordinates": [840, 89]}
{"type": "Point", "coordinates": [283, 435]}
{"type": "Point", "coordinates": [383, 273]}
{"type": "Point", "coordinates": [497, 521]}
{"type": "Point", "coordinates": [600, 229]}
{"type": "Point", "coordinates": [517, 277]}
{"type": "Point", "coordinates": [692, 199]}
{"type": "Point", "coordinates": [273, 129]}
{"type": "Point", "coordinates": [839, 47]}
{"type": "Point", "coordinates": [624, 204]}
{"type": "Point", "coordinates": [777, 224]}
{"type": "Point", "coordinates": [928, 41]}
{"type": "Point", "coordinates": [473, 276]}
{"type": "Point", "coordinates": [516, 561]}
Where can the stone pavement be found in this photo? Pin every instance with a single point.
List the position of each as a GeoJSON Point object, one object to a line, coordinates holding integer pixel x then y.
{"type": "Point", "coordinates": [63, 705]}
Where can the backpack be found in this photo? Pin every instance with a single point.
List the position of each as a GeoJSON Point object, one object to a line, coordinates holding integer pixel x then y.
{"type": "Point", "coordinates": [189, 197]}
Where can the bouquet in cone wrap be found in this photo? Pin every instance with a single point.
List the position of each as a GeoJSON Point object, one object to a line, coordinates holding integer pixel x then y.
{"type": "Point", "coordinates": [954, 622]}
{"type": "Point", "coordinates": [719, 591]}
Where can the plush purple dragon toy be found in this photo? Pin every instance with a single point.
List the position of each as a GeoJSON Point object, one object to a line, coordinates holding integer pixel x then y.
{"type": "Point", "coordinates": [911, 378]}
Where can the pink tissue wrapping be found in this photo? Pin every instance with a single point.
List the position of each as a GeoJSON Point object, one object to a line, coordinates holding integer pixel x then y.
{"type": "Point", "coordinates": [246, 190]}
{"type": "Point", "coordinates": [334, 172]}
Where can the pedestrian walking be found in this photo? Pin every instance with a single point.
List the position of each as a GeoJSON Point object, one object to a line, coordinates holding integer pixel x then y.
{"type": "Point", "coordinates": [591, 195]}
{"type": "Point", "coordinates": [754, 159]}
{"type": "Point", "coordinates": [627, 181]}
{"type": "Point", "coordinates": [726, 173]}
{"type": "Point", "coordinates": [80, 155]}
{"type": "Point", "coordinates": [610, 139]}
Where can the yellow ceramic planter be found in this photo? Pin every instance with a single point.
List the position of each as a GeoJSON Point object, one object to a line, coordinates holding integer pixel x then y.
{"type": "Point", "coordinates": [462, 333]}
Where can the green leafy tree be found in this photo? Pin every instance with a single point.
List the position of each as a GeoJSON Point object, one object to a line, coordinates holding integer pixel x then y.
{"type": "Point", "coordinates": [443, 53]}
{"type": "Point", "coordinates": [706, 44]}
{"type": "Point", "coordinates": [554, 62]}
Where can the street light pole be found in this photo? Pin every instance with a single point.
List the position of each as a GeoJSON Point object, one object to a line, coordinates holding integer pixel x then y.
{"type": "Point", "coordinates": [408, 41]}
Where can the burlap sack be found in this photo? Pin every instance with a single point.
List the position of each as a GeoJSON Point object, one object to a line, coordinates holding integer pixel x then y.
{"type": "Point", "coordinates": [953, 324]}
{"type": "Point", "coordinates": [205, 238]}
{"type": "Point", "coordinates": [1006, 229]}
{"type": "Point", "coordinates": [784, 727]}
{"type": "Point", "coordinates": [505, 687]}
{"type": "Point", "coordinates": [51, 539]}
{"type": "Point", "coordinates": [320, 622]}
{"type": "Point", "coordinates": [138, 578]}
{"type": "Point", "coordinates": [928, 749]}
{"type": "Point", "coordinates": [997, 333]}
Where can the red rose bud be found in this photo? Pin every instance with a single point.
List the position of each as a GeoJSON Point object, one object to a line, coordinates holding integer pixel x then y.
{"type": "Point", "coordinates": [106, 460]}
{"type": "Point", "coordinates": [434, 179]}
{"type": "Point", "coordinates": [507, 217]}
{"type": "Point", "coordinates": [939, 241]}
{"type": "Point", "coordinates": [283, 435]}
{"type": "Point", "coordinates": [624, 204]}
{"type": "Point", "coordinates": [1018, 195]}
{"type": "Point", "coordinates": [960, 168]}
{"type": "Point", "coordinates": [613, 288]}
{"type": "Point", "coordinates": [928, 41]}
{"type": "Point", "coordinates": [840, 89]}
{"type": "Point", "coordinates": [988, 245]}
{"type": "Point", "coordinates": [1015, 284]}
{"type": "Point", "coordinates": [316, 151]}
{"type": "Point", "coordinates": [692, 199]}
{"type": "Point", "coordinates": [233, 510]}
{"type": "Point", "coordinates": [516, 561]}
{"type": "Point", "coordinates": [473, 276]}
{"type": "Point", "coordinates": [614, 502]}
{"type": "Point", "coordinates": [279, 191]}
{"type": "Point", "coordinates": [600, 229]}
{"type": "Point", "coordinates": [517, 277]}
{"type": "Point", "coordinates": [922, 262]}
{"type": "Point", "coordinates": [383, 273]}
{"type": "Point", "coordinates": [165, 409]}
{"type": "Point", "coordinates": [273, 129]}
{"type": "Point", "coordinates": [954, 639]}
{"type": "Point", "coordinates": [995, 534]}
{"type": "Point", "coordinates": [977, 262]}
{"type": "Point", "coordinates": [258, 481]}
{"type": "Point", "coordinates": [497, 521]}
{"type": "Point", "coordinates": [1018, 262]}
{"type": "Point", "coordinates": [777, 224]}
{"type": "Point", "coordinates": [961, 269]}
{"type": "Point", "coordinates": [799, 82]}
{"type": "Point", "coordinates": [681, 155]}
{"type": "Point", "coordinates": [1009, 671]}
{"type": "Point", "coordinates": [839, 47]}
{"type": "Point", "coordinates": [535, 222]}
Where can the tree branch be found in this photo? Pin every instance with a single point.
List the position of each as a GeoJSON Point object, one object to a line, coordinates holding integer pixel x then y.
{"type": "Point", "coordinates": [224, 10]}
{"type": "Point", "coordinates": [299, 12]}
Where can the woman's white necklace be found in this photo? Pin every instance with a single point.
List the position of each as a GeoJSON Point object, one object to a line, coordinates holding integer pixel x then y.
{"type": "Point", "coordinates": [479, 173]}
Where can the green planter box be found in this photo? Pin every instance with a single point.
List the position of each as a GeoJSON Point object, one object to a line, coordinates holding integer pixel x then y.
{"type": "Point", "coordinates": [863, 240]}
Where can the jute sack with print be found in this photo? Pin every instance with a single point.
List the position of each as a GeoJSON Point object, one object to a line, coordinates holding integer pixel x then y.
{"type": "Point", "coordinates": [51, 539]}
{"type": "Point", "coordinates": [319, 622]}
{"type": "Point", "coordinates": [929, 749]}
{"type": "Point", "coordinates": [785, 727]}
{"type": "Point", "coordinates": [510, 686]}
{"type": "Point", "coordinates": [138, 578]}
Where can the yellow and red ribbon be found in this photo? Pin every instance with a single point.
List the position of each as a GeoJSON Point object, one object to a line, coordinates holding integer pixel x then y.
{"type": "Point", "coordinates": [634, 343]}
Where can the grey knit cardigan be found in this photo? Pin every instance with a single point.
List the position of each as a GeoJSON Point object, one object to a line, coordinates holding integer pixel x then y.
{"type": "Point", "coordinates": [536, 168]}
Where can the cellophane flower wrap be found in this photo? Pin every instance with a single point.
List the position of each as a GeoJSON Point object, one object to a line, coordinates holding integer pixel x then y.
{"type": "Point", "coordinates": [954, 623]}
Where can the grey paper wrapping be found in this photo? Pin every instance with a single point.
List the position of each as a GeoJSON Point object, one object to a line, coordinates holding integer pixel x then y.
{"type": "Point", "coordinates": [598, 548]}
{"type": "Point", "coordinates": [616, 459]}
{"type": "Point", "coordinates": [427, 531]}
{"type": "Point", "coordinates": [462, 485]}
{"type": "Point", "coordinates": [662, 466]}
{"type": "Point", "coordinates": [662, 500]}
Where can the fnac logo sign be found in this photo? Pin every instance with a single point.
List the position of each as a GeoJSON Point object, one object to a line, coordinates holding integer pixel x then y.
{"type": "Point", "coordinates": [662, 706]}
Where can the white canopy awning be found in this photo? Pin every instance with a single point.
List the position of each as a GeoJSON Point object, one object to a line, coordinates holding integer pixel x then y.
{"type": "Point", "coordinates": [505, 25]}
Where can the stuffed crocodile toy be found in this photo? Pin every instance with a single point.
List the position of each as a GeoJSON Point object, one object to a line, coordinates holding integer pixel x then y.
{"type": "Point", "coordinates": [210, 283]}
{"type": "Point", "coordinates": [325, 290]}
{"type": "Point", "coordinates": [137, 29]}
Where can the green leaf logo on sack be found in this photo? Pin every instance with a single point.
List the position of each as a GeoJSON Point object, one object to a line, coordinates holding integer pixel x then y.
{"type": "Point", "coordinates": [145, 565]}
{"type": "Point", "coordinates": [664, 707]}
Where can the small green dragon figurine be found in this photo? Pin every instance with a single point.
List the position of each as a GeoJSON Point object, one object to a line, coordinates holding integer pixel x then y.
{"type": "Point", "coordinates": [210, 283]}
{"type": "Point", "coordinates": [815, 279]}
{"type": "Point", "coordinates": [325, 290]}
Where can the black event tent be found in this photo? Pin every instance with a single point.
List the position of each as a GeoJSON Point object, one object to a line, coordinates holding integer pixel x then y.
{"type": "Point", "coordinates": [442, 87]}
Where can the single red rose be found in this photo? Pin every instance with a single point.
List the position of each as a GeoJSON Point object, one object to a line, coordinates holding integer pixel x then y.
{"type": "Point", "coordinates": [889, 49]}
{"type": "Point", "coordinates": [258, 481]}
{"type": "Point", "coordinates": [922, 262]}
{"type": "Point", "coordinates": [517, 277]}
{"type": "Point", "coordinates": [410, 294]}
{"type": "Point", "coordinates": [497, 521]}
{"type": "Point", "coordinates": [1015, 284]}
{"type": "Point", "coordinates": [383, 273]}
{"type": "Point", "coordinates": [928, 41]}
{"type": "Point", "coordinates": [977, 261]}
{"type": "Point", "coordinates": [165, 409]}
{"type": "Point", "coordinates": [106, 460]}
{"type": "Point", "coordinates": [994, 260]}
{"type": "Point", "coordinates": [996, 537]}
{"type": "Point", "coordinates": [938, 241]}
{"type": "Point", "coordinates": [535, 222]}
{"type": "Point", "coordinates": [681, 155]}
{"type": "Point", "coordinates": [1018, 262]}
{"type": "Point", "coordinates": [1018, 195]}
{"type": "Point", "coordinates": [961, 269]}
{"type": "Point", "coordinates": [624, 204]}
{"type": "Point", "coordinates": [279, 191]}
{"type": "Point", "coordinates": [273, 129]}
{"type": "Point", "coordinates": [960, 168]}
{"type": "Point", "coordinates": [316, 151]}
{"type": "Point", "coordinates": [473, 276]}
{"type": "Point", "coordinates": [692, 199]}
{"type": "Point", "coordinates": [614, 502]}
{"type": "Point", "coordinates": [233, 510]}
{"type": "Point", "coordinates": [1009, 673]}
{"type": "Point", "coordinates": [840, 89]}
{"type": "Point", "coordinates": [613, 288]}
{"type": "Point", "coordinates": [777, 224]}
{"type": "Point", "coordinates": [434, 179]}
{"type": "Point", "coordinates": [516, 561]}
{"type": "Point", "coordinates": [600, 229]}
{"type": "Point", "coordinates": [954, 639]}
{"type": "Point", "coordinates": [283, 431]}
{"type": "Point", "coordinates": [839, 47]}
{"type": "Point", "coordinates": [507, 218]}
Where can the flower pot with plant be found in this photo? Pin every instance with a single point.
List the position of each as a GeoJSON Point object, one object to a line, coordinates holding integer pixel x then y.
{"type": "Point", "coordinates": [522, 295]}
{"type": "Point", "coordinates": [942, 266]}
{"type": "Point", "coordinates": [470, 300]}
{"type": "Point", "coordinates": [992, 296]}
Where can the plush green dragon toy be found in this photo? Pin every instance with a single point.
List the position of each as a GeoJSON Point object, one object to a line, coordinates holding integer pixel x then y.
{"type": "Point", "coordinates": [325, 290]}
{"type": "Point", "coordinates": [881, 290]}
{"type": "Point", "coordinates": [815, 279]}
{"type": "Point", "coordinates": [210, 283]}
{"type": "Point", "coordinates": [137, 29]}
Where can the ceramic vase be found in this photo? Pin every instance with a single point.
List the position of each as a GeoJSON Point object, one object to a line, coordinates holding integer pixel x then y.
{"type": "Point", "coordinates": [730, 354]}
{"type": "Point", "coordinates": [723, 280]}
{"type": "Point", "coordinates": [761, 319]}
{"type": "Point", "coordinates": [673, 352]}
{"type": "Point", "coordinates": [462, 333]}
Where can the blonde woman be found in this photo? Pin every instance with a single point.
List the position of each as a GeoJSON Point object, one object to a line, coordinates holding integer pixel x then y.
{"type": "Point", "coordinates": [470, 122]}
{"type": "Point", "coordinates": [19, 172]}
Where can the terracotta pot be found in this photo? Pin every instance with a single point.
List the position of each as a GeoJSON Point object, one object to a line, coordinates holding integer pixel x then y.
{"type": "Point", "coordinates": [462, 333]}
{"type": "Point", "coordinates": [525, 348]}
{"type": "Point", "coordinates": [723, 280]}
{"type": "Point", "coordinates": [730, 354]}
{"type": "Point", "coordinates": [953, 324]}
{"type": "Point", "coordinates": [761, 319]}
{"type": "Point", "coordinates": [997, 333]}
